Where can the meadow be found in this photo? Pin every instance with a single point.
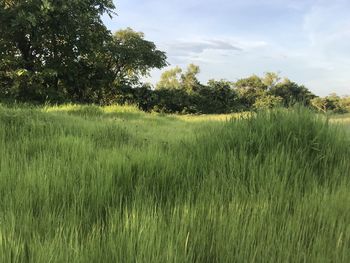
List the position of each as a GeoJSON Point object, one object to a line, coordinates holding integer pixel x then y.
{"type": "Point", "coordinates": [114, 184]}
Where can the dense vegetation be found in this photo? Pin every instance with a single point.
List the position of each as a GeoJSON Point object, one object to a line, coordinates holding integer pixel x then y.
{"type": "Point", "coordinates": [60, 51]}
{"type": "Point", "coordinates": [183, 92]}
{"type": "Point", "coordinates": [113, 184]}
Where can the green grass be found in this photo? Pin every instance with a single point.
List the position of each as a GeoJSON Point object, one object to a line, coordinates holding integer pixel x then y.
{"type": "Point", "coordinates": [343, 119]}
{"type": "Point", "coordinates": [113, 184]}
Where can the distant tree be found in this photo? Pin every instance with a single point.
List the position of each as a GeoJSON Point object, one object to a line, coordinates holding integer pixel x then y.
{"type": "Point", "coordinates": [133, 57]}
{"type": "Point", "coordinates": [341, 105]}
{"type": "Point", "coordinates": [292, 93]}
{"type": "Point", "coordinates": [271, 79]}
{"type": "Point", "coordinates": [170, 79]}
{"type": "Point", "coordinates": [267, 102]}
{"type": "Point", "coordinates": [321, 104]}
{"type": "Point", "coordinates": [177, 79]}
{"type": "Point", "coordinates": [249, 90]}
{"type": "Point", "coordinates": [252, 82]}
{"type": "Point", "coordinates": [332, 103]}
{"type": "Point", "coordinates": [178, 91]}
{"type": "Point", "coordinates": [345, 100]}
{"type": "Point", "coordinates": [218, 97]}
{"type": "Point", "coordinates": [189, 80]}
{"type": "Point", "coordinates": [183, 92]}
{"type": "Point", "coordinates": [173, 101]}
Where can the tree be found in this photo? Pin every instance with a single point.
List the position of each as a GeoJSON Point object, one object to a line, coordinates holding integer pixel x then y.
{"type": "Point", "coordinates": [58, 46]}
{"type": "Point", "coordinates": [182, 92]}
{"type": "Point", "coordinates": [170, 79]}
{"type": "Point", "coordinates": [189, 80]}
{"type": "Point", "coordinates": [173, 101]}
{"type": "Point", "coordinates": [292, 93]}
{"type": "Point", "coordinates": [218, 97]}
{"type": "Point", "coordinates": [132, 57]}
{"type": "Point", "coordinates": [252, 82]}
{"type": "Point", "coordinates": [249, 89]}
{"type": "Point", "coordinates": [345, 101]}
{"type": "Point", "coordinates": [176, 79]}
{"type": "Point", "coordinates": [321, 104]}
{"type": "Point", "coordinates": [332, 103]}
{"type": "Point", "coordinates": [271, 79]}
{"type": "Point", "coordinates": [267, 102]}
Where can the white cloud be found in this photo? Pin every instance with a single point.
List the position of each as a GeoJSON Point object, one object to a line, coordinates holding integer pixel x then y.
{"type": "Point", "coordinates": [184, 47]}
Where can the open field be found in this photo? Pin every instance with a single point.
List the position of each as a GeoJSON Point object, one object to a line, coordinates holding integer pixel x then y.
{"type": "Point", "coordinates": [343, 119]}
{"type": "Point", "coordinates": [113, 184]}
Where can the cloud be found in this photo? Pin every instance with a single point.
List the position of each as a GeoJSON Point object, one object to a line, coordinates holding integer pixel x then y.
{"type": "Point", "coordinates": [211, 50]}
{"type": "Point", "coordinates": [186, 48]}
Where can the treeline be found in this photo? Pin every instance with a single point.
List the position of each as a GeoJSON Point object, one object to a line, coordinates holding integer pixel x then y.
{"type": "Point", "coordinates": [60, 51]}
{"type": "Point", "coordinates": [182, 92]}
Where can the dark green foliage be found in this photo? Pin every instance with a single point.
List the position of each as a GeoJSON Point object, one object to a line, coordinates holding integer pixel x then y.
{"type": "Point", "coordinates": [173, 101]}
{"type": "Point", "coordinates": [57, 46]}
{"type": "Point", "coordinates": [292, 93]}
{"type": "Point", "coordinates": [217, 97]}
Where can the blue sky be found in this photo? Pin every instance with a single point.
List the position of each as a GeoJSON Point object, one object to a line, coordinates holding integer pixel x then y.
{"type": "Point", "coordinates": [305, 40]}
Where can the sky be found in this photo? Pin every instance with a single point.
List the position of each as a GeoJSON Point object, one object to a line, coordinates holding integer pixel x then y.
{"type": "Point", "coordinates": [307, 41]}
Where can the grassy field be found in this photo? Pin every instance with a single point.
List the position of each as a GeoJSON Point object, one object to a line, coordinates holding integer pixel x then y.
{"type": "Point", "coordinates": [343, 119]}
{"type": "Point", "coordinates": [113, 184]}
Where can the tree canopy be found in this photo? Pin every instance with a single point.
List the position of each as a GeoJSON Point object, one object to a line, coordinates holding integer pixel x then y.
{"type": "Point", "coordinates": [133, 57]}
{"type": "Point", "coordinates": [55, 45]}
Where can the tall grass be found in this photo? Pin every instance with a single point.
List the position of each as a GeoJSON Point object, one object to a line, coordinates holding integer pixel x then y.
{"type": "Point", "coordinates": [92, 184]}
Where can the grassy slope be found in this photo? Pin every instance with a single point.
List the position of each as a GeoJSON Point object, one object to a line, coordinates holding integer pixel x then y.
{"type": "Point", "coordinates": [89, 184]}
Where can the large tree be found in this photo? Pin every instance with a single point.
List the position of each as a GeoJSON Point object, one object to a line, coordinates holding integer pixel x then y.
{"type": "Point", "coordinates": [59, 42]}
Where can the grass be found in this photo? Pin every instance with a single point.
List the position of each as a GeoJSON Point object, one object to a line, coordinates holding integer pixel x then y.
{"type": "Point", "coordinates": [343, 119]}
{"type": "Point", "coordinates": [113, 184]}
